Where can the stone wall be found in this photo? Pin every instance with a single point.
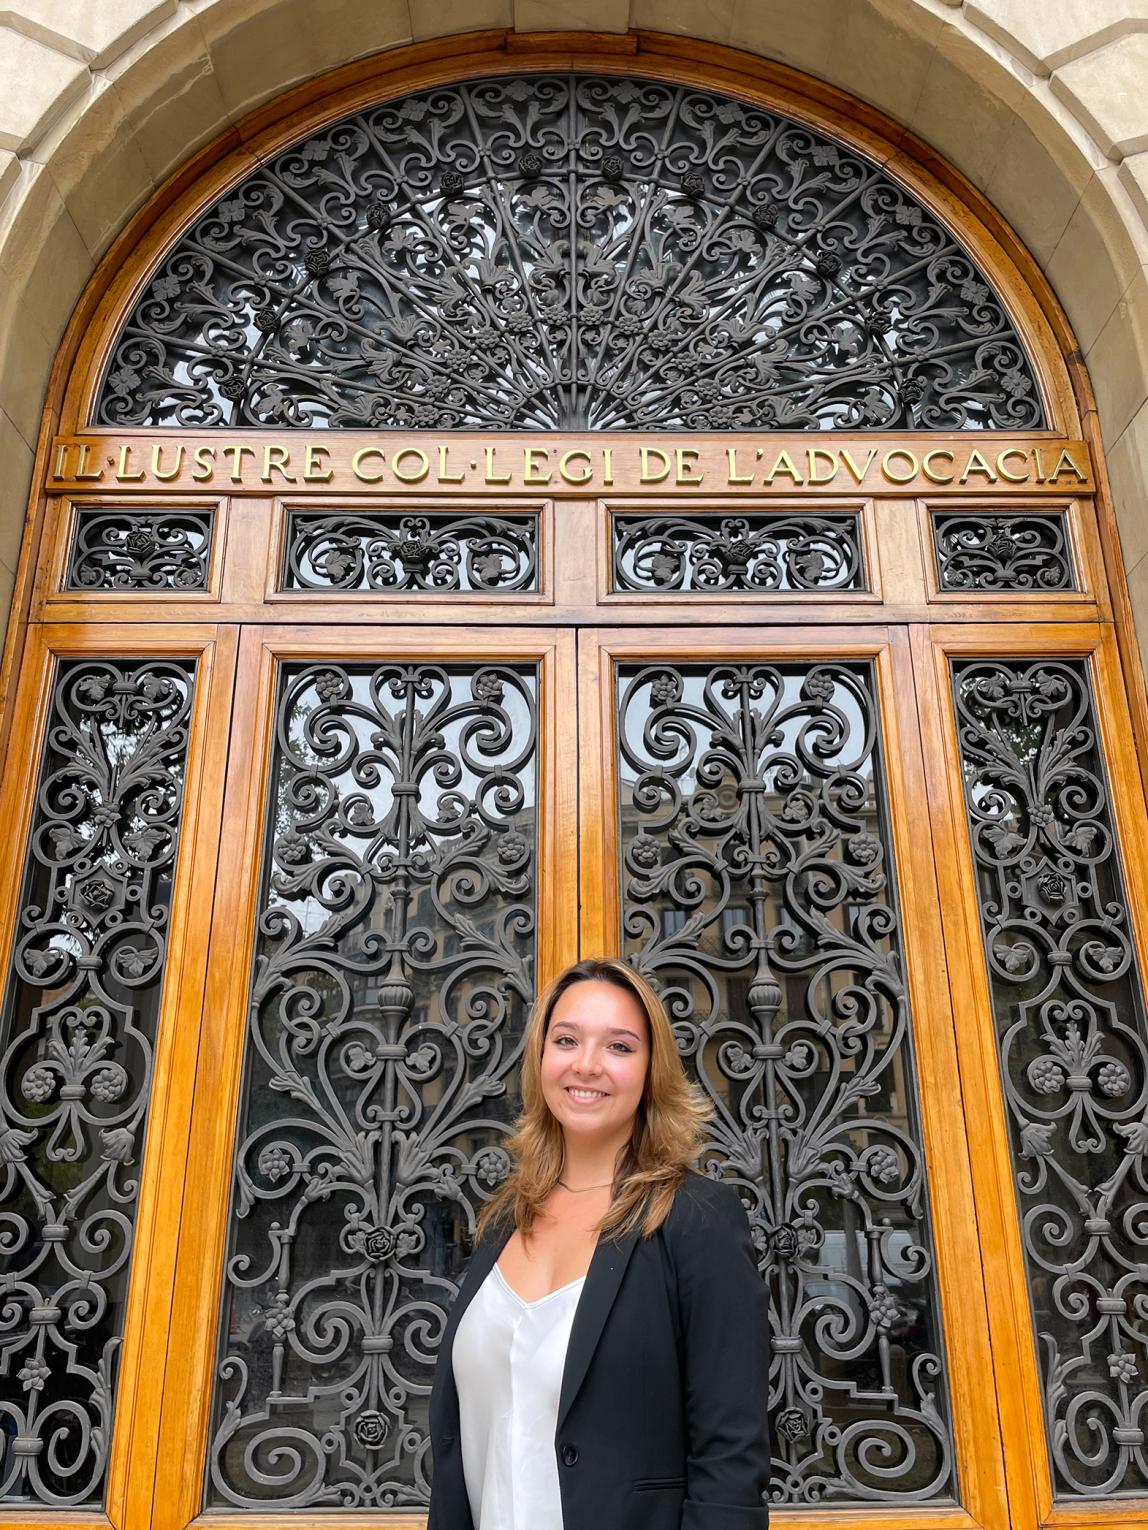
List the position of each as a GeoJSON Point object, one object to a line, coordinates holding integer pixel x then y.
{"type": "Point", "coordinates": [1044, 106]}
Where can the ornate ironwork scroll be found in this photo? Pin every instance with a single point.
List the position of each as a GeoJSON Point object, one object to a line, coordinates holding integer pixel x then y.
{"type": "Point", "coordinates": [549, 252]}
{"type": "Point", "coordinates": [393, 972]}
{"type": "Point", "coordinates": [396, 553]}
{"type": "Point", "coordinates": [758, 896]}
{"type": "Point", "coordinates": [140, 550]}
{"type": "Point", "coordinates": [676, 554]}
{"type": "Point", "coordinates": [78, 1037]}
{"type": "Point", "coordinates": [1025, 552]}
{"type": "Point", "coordinates": [1068, 1005]}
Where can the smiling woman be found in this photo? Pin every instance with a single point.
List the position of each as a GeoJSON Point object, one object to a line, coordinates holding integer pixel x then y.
{"type": "Point", "coordinates": [614, 1361]}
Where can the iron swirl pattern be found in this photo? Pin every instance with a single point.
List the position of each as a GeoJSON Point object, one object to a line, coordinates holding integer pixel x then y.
{"type": "Point", "coordinates": [546, 252]}
{"type": "Point", "coordinates": [400, 554]}
{"type": "Point", "coordinates": [1068, 1009]}
{"type": "Point", "coordinates": [759, 897]}
{"type": "Point", "coordinates": [78, 1039]}
{"type": "Point", "coordinates": [394, 968]}
{"type": "Point", "coordinates": [142, 550]}
{"type": "Point", "coordinates": [677, 554]}
{"type": "Point", "coordinates": [1028, 553]}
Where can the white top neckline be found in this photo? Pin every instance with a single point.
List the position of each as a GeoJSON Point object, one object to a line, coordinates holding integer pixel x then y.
{"type": "Point", "coordinates": [538, 1300]}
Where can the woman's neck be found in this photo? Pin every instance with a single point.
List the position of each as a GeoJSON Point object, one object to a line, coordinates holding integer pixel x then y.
{"type": "Point", "coordinates": [591, 1162]}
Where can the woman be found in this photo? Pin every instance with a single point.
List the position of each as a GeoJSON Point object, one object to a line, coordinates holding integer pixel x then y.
{"type": "Point", "coordinates": [605, 1365]}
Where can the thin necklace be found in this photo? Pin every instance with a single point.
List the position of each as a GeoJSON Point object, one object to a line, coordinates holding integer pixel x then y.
{"type": "Point", "coordinates": [581, 1190]}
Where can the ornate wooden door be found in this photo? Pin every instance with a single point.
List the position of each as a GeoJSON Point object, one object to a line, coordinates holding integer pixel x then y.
{"type": "Point", "coordinates": [764, 633]}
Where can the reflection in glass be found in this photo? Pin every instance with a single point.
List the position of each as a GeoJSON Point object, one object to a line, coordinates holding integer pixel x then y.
{"type": "Point", "coordinates": [1072, 1036]}
{"type": "Point", "coordinates": [393, 972]}
{"type": "Point", "coordinates": [758, 895]}
{"type": "Point", "coordinates": [78, 1046]}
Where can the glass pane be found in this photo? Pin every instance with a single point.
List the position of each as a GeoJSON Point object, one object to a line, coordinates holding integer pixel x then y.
{"type": "Point", "coordinates": [1068, 1008]}
{"type": "Point", "coordinates": [396, 554]}
{"type": "Point", "coordinates": [394, 969]}
{"type": "Point", "coordinates": [1026, 553]}
{"type": "Point", "coordinates": [566, 252]}
{"type": "Point", "coordinates": [78, 1039]}
{"type": "Point", "coordinates": [759, 896]}
{"type": "Point", "coordinates": [140, 550]}
{"type": "Point", "coordinates": [673, 554]}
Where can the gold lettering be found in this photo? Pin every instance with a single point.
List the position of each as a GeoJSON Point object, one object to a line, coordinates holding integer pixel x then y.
{"type": "Point", "coordinates": [650, 474]}
{"type": "Point", "coordinates": [817, 454]}
{"type": "Point", "coordinates": [1002, 459]}
{"type": "Point", "coordinates": [733, 476]}
{"type": "Point", "coordinates": [1065, 463]}
{"type": "Point", "coordinates": [977, 464]}
{"type": "Point", "coordinates": [276, 459]}
{"type": "Point", "coordinates": [237, 454]}
{"type": "Point", "coordinates": [491, 475]}
{"type": "Point", "coordinates": [887, 466]}
{"type": "Point", "coordinates": [314, 469]}
{"type": "Point", "coordinates": [157, 469]}
{"type": "Point", "coordinates": [859, 473]}
{"type": "Point", "coordinates": [685, 473]}
{"type": "Point", "coordinates": [1041, 477]}
{"type": "Point", "coordinates": [786, 467]}
{"type": "Point", "coordinates": [534, 459]}
{"type": "Point", "coordinates": [421, 470]}
{"type": "Point", "coordinates": [81, 466]}
{"type": "Point", "coordinates": [607, 464]}
{"type": "Point", "coordinates": [204, 464]}
{"type": "Point", "coordinates": [123, 466]}
{"type": "Point", "coordinates": [930, 473]}
{"type": "Point", "coordinates": [60, 470]}
{"type": "Point", "coordinates": [585, 473]}
{"type": "Point", "coordinates": [360, 471]}
{"type": "Point", "coordinates": [443, 475]}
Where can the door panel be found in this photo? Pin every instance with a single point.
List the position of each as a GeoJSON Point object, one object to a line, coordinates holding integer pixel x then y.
{"type": "Point", "coordinates": [748, 806]}
{"type": "Point", "coordinates": [405, 882]}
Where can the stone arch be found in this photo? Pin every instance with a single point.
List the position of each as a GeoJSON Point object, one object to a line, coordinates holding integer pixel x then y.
{"type": "Point", "coordinates": [102, 110]}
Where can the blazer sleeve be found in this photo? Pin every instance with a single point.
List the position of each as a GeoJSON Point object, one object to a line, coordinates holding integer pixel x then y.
{"type": "Point", "coordinates": [723, 1307]}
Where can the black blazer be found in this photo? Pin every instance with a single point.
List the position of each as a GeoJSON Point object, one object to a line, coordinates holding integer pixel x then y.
{"type": "Point", "coordinates": [662, 1413]}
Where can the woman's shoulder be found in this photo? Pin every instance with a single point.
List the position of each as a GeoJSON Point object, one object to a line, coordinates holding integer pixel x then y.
{"type": "Point", "coordinates": [702, 1199]}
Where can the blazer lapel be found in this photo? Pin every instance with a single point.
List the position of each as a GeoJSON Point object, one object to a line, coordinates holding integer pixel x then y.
{"type": "Point", "coordinates": [603, 1279]}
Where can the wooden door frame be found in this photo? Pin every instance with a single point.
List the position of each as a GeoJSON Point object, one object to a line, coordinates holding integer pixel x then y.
{"type": "Point", "coordinates": [184, 1432]}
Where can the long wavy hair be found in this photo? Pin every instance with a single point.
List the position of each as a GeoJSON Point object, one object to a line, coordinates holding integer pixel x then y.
{"type": "Point", "coordinates": [669, 1124]}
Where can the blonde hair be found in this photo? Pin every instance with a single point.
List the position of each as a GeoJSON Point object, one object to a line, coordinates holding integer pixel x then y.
{"type": "Point", "coordinates": [669, 1125]}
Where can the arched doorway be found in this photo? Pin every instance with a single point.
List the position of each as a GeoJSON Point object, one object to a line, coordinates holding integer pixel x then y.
{"type": "Point", "coordinates": [558, 512]}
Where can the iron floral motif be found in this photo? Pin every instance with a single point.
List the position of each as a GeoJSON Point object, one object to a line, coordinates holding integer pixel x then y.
{"type": "Point", "coordinates": [1024, 552]}
{"type": "Point", "coordinates": [140, 550]}
{"type": "Point", "coordinates": [687, 554]}
{"type": "Point", "coordinates": [393, 553]}
{"type": "Point", "coordinates": [547, 252]}
{"type": "Point", "coordinates": [393, 972]}
{"type": "Point", "coordinates": [1068, 1004]}
{"type": "Point", "coordinates": [758, 898]}
{"type": "Point", "coordinates": [78, 1039]}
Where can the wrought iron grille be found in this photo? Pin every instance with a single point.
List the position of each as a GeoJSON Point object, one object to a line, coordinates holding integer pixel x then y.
{"type": "Point", "coordinates": [758, 896]}
{"type": "Point", "coordinates": [393, 972]}
{"type": "Point", "coordinates": [569, 252]}
{"type": "Point", "coordinates": [140, 550]}
{"type": "Point", "coordinates": [1028, 553]}
{"type": "Point", "coordinates": [78, 1038]}
{"type": "Point", "coordinates": [677, 554]}
{"type": "Point", "coordinates": [1068, 1004]}
{"type": "Point", "coordinates": [391, 553]}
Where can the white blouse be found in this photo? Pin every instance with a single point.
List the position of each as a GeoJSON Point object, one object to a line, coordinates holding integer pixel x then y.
{"type": "Point", "coordinates": [508, 1357]}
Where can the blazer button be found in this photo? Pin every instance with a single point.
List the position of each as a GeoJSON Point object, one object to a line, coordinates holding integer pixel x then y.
{"type": "Point", "coordinates": [569, 1455]}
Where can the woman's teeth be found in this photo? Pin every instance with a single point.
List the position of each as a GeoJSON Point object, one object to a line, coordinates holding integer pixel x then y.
{"type": "Point", "coordinates": [586, 1094]}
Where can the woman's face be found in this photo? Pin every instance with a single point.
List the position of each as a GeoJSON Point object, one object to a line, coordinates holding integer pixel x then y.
{"type": "Point", "coordinates": [595, 1059]}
